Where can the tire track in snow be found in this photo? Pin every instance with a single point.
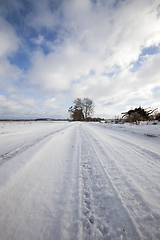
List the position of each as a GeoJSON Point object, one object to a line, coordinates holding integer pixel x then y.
{"type": "Point", "coordinates": [146, 218]}
{"type": "Point", "coordinates": [104, 214]}
{"type": "Point", "coordinates": [21, 148]}
{"type": "Point", "coordinates": [41, 199]}
{"type": "Point", "coordinates": [70, 227]}
{"type": "Point", "coordinates": [139, 149]}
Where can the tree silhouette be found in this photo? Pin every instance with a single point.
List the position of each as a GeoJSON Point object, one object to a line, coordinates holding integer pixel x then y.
{"type": "Point", "coordinates": [138, 114]}
{"type": "Point", "coordinates": [82, 109]}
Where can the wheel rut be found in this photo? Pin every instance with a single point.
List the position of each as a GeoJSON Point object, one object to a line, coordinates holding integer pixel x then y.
{"type": "Point", "coordinates": [104, 215]}
{"type": "Point", "coordinates": [7, 156]}
{"type": "Point", "coordinates": [143, 218]}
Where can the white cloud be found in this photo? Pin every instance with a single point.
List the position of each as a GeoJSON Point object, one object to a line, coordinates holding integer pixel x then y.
{"type": "Point", "coordinates": [100, 38]}
{"type": "Point", "coordinates": [56, 71]}
{"type": "Point", "coordinates": [28, 107]}
{"type": "Point", "coordinates": [8, 106]}
{"type": "Point", "coordinates": [38, 40]}
{"type": "Point", "coordinates": [117, 36]}
{"type": "Point", "coordinates": [42, 14]}
{"type": "Point", "coordinates": [91, 52]}
{"type": "Point", "coordinates": [151, 71]}
{"type": "Point", "coordinates": [9, 42]}
{"type": "Point", "coordinates": [9, 75]}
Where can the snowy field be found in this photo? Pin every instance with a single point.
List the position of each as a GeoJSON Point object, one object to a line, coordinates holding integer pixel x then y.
{"type": "Point", "coordinates": [86, 181]}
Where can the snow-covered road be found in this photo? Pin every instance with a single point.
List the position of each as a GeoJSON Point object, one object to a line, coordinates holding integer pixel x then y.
{"type": "Point", "coordinates": [79, 181]}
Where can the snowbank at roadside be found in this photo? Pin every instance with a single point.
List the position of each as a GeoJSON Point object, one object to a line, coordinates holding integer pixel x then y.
{"type": "Point", "coordinates": [150, 129]}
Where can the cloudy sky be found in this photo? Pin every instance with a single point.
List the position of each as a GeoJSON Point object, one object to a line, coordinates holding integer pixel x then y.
{"type": "Point", "coordinates": [53, 51]}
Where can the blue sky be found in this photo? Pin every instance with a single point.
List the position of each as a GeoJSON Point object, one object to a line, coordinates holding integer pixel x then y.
{"type": "Point", "coordinates": [53, 51]}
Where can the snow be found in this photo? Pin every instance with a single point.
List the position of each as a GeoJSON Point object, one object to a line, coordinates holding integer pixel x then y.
{"type": "Point", "coordinates": [77, 180]}
{"type": "Point", "coordinates": [152, 129]}
{"type": "Point", "coordinates": [16, 134]}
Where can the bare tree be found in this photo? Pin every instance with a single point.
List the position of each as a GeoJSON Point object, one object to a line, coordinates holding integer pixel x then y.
{"type": "Point", "coordinates": [138, 114]}
{"type": "Point", "coordinates": [76, 114]}
{"type": "Point", "coordinates": [88, 107]}
{"type": "Point", "coordinates": [82, 109]}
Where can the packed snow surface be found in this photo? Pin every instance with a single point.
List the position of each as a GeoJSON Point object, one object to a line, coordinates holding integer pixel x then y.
{"type": "Point", "coordinates": [77, 180]}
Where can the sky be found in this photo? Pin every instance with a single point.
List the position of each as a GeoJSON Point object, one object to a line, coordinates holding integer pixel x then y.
{"type": "Point", "coordinates": [53, 51]}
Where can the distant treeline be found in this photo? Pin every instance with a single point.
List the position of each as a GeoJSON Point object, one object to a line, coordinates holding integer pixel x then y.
{"type": "Point", "coordinates": [33, 120]}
